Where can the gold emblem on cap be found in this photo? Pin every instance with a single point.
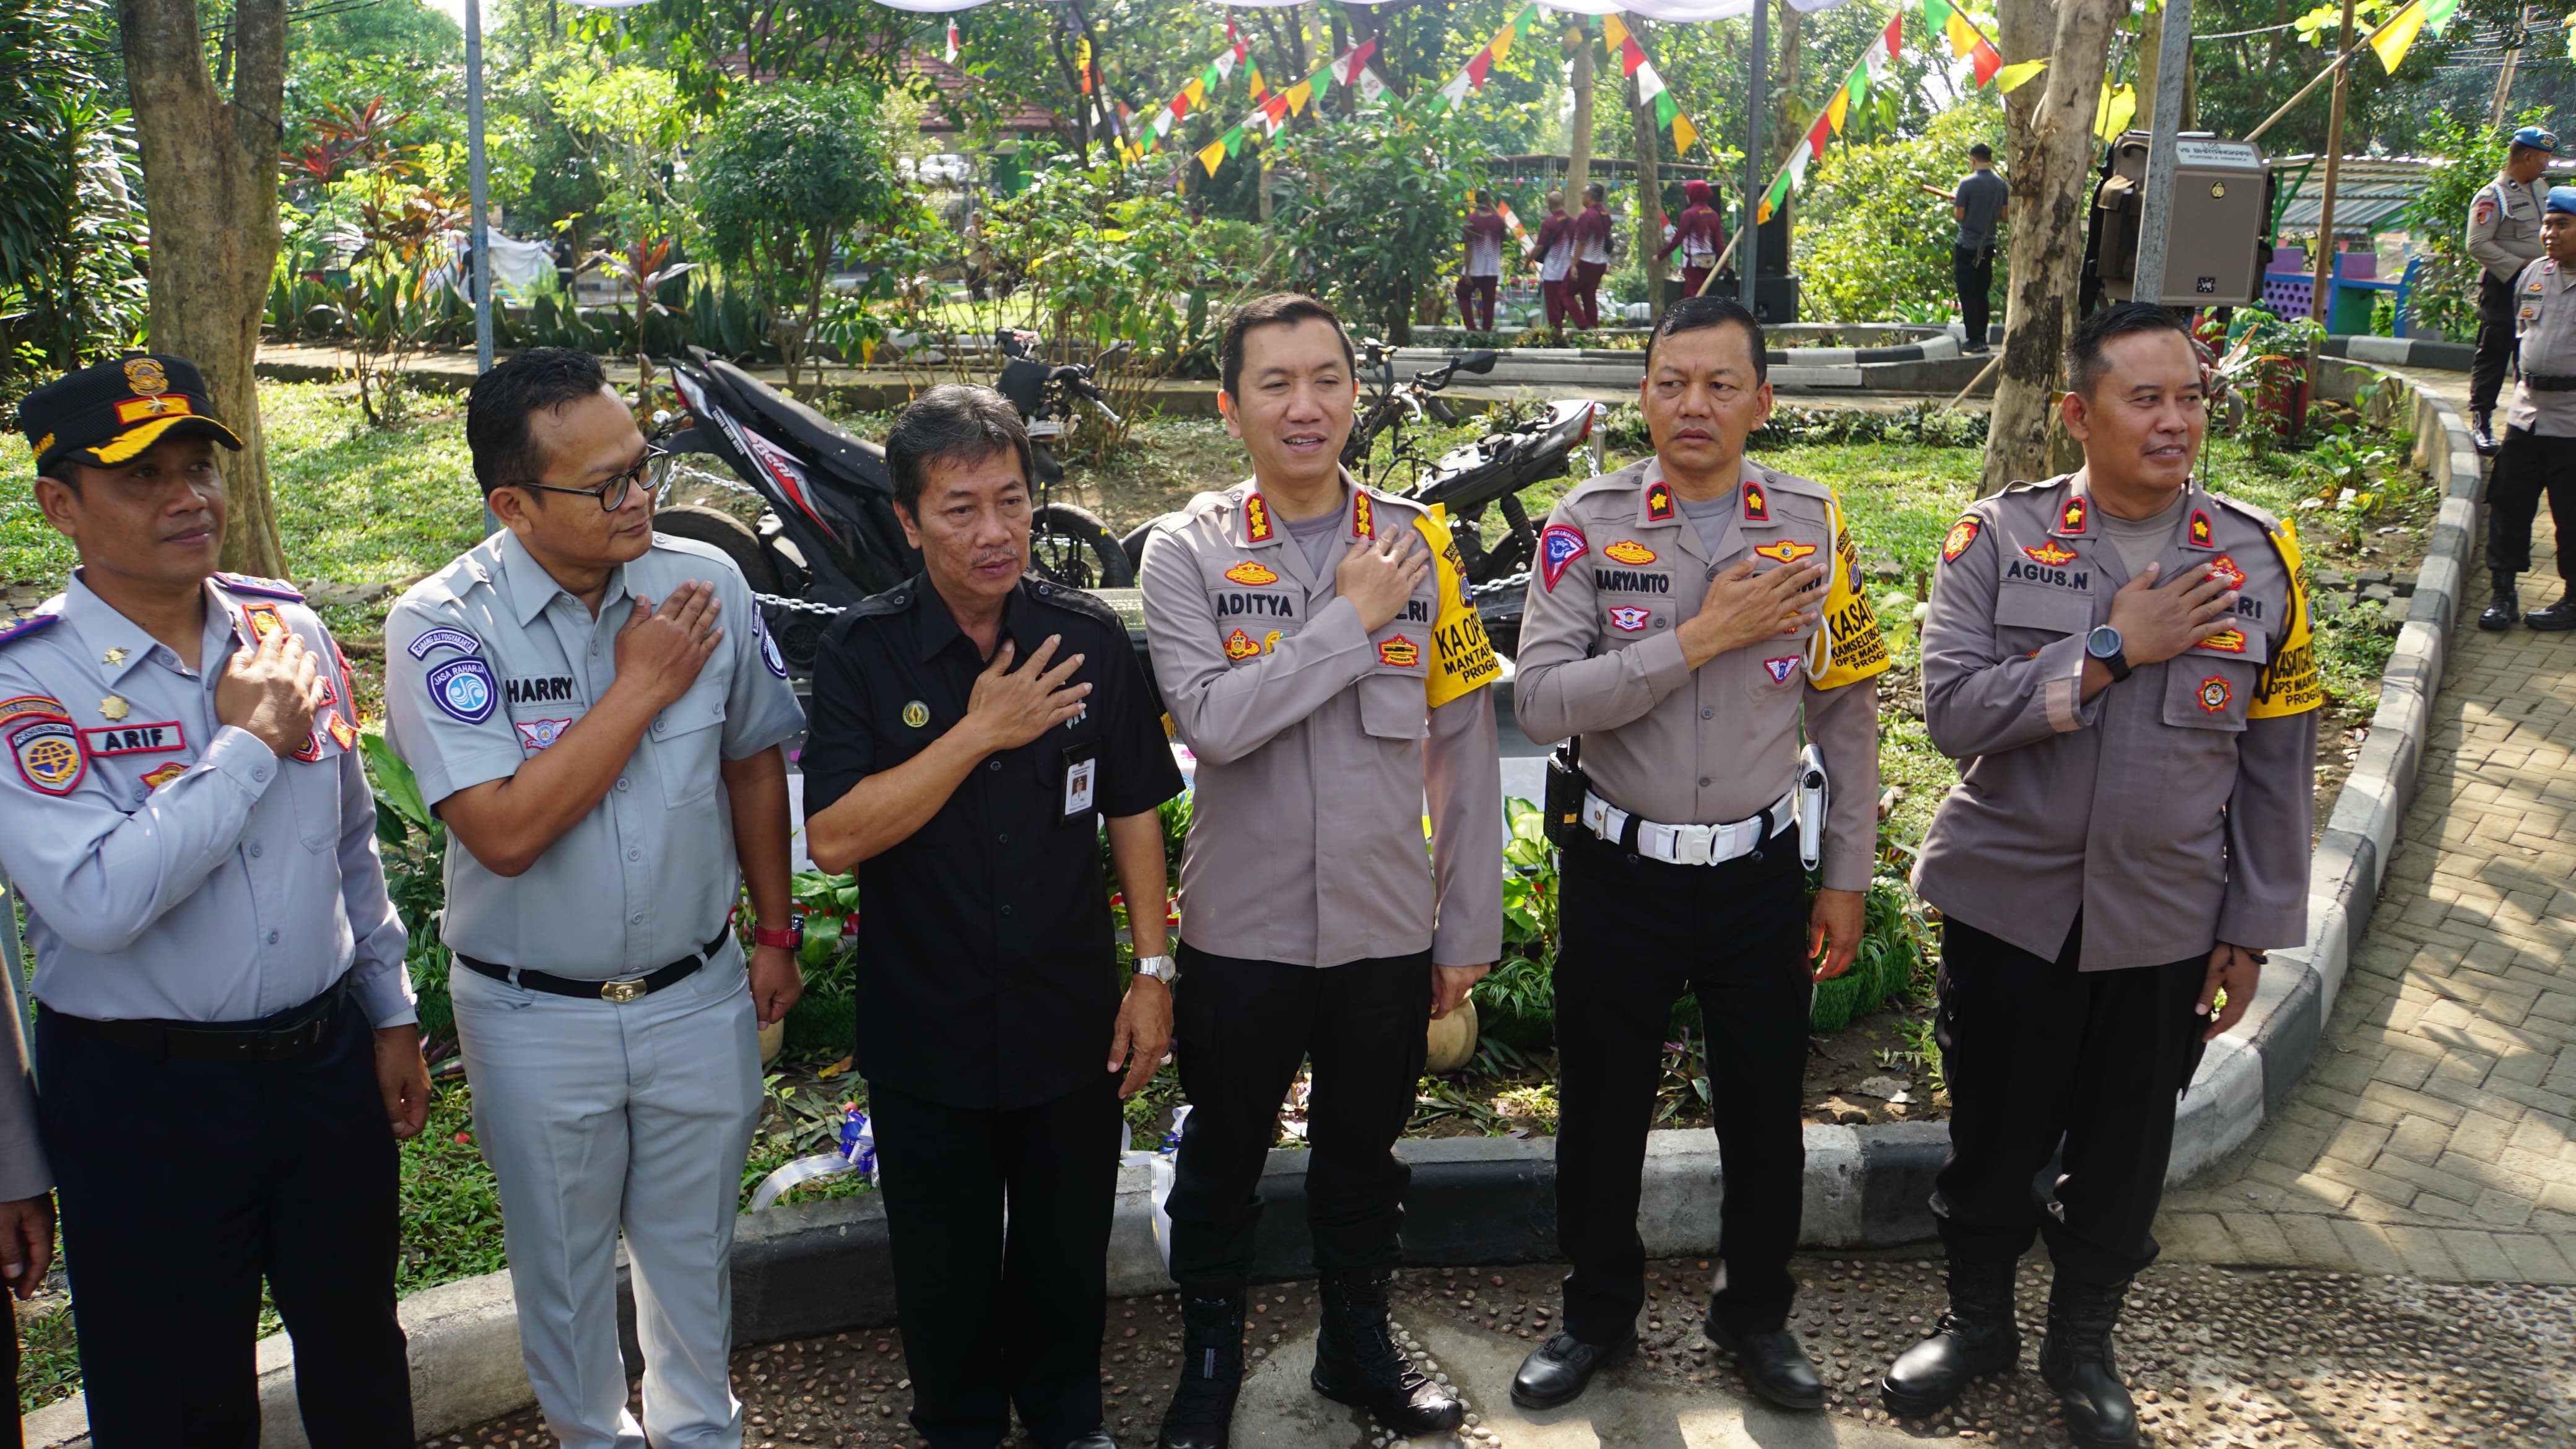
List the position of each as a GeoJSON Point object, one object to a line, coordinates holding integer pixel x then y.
{"type": "Point", "coordinates": [114, 656]}
{"type": "Point", "coordinates": [916, 714]}
{"type": "Point", "coordinates": [114, 708]}
{"type": "Point", "coordinates": [144, 375]}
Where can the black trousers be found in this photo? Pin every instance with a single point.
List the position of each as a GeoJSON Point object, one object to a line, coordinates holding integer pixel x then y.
{"type": "Point", "coordinates": [181, 1185]}
{"type": "Point", "coordinates": [1973, 270]}
{"type": "Point", "coordinates": [2038, 1053]}
{"type": "Point", "coordinates": [2496, 342]}
{"type": "Point", "coordinates": [1241, 1029]}
{"type": "Point", "coordinates": [2526, 467]}
{"type": "Point", "coordinates": [994, 1317]}
{"type": "Point", "coordinates": [1634, 933]}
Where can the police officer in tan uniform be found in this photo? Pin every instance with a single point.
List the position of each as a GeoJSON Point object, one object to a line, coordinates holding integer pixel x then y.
{"type": "Point", "coordinates": [2539, 454]}
{"type": "Point", "coordinates": [2504, 236]}
{"type": "Point", "coordinates": [1316, 649]}
{"type": "Point", "coordinates": [2121, 663]}
{"type": "Point", "coordinates": [1691, 611]}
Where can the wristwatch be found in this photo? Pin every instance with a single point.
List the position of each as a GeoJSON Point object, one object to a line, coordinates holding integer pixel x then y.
{"type": "Point", "coordinates": [2104, 644]}
{"type": "Point", "coordinates": [1161, 968]}
{"type": "Point", "coordinates": [792, 938]}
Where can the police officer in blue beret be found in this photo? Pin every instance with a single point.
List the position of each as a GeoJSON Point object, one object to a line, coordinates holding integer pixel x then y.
{"type": "Point", "coordinates": [227, 1052]}
{"type": "Point", "coordinates": [2504, 236]}
{"type": "Point", "coordinates": [2539, 451]}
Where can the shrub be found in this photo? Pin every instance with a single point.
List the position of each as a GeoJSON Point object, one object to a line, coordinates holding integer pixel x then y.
{"type": "Point", "coordinates": [1871, 245]}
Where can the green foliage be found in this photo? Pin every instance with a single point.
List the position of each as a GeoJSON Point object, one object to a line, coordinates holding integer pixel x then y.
{"type": "Point", "coordinates": [413, 844]}
{"type": "Point", "coordinates": [788, 175]}
{"type": "Point", "coordinates": [1896, 941]}
{"type": "Point", "coordinates": [1871, 245]}
{"type": "Point", "coordinates": [1373, 211]}
{"type": "Point", "coordinates": [70, 228]}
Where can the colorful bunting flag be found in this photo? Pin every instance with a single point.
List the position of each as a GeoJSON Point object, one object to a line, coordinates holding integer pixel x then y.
{"type": "Point", "coordinates": [2012, 77]}
{"type": "Point", "coordinates": [1874, 64]}
{"type": "Point", "coordinates": [1273, 108]}
{"type": "Point", "coordinates": [952, 40]}
{"type": "Point", "coordinates": [1966, 41]}
{"type": "Point", "coordinates": [1512, 224]}
{"type": "Point", "coordinates": [1651, 90]}
{"type": "Point", "coordinates": [2118, 107]}
{"type": "Point", "coordinates": [2397, 36]}
{"type": "Point", "coordinates": [1481, 65]}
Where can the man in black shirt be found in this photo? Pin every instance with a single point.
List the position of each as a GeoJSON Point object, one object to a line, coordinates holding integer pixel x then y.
{"type": "Point", "coordinates": [970, 729]}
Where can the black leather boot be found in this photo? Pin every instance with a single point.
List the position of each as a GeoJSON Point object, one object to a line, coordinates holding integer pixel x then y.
{"type": "Point", "coordinates": [1357, 1362]}
{"type": "Point", "coordinates": [1774, 1363]}
{"type": "Point", "coordinates": [1202, 1411]}
{"type": "Point", "coordinates": [1975, 1338]}
{"type": "Point", "coordinates": [2482, 434]}
{"type": "Point", "coordinates": [1557, 1371]}
{"type": "Point", "coordinates": [2560, 615]}
{"type": "Point", "coordinates": [2506, 607]}
{"type": "Point", "coordinates": [2076, 1360]}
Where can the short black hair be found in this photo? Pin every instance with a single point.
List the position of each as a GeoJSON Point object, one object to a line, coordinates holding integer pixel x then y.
{"type": "Point", "coordinates": [1484, 197]}
{"type": "Point", "coordinates": [1279, 309]}
{"type": "Point", "coordinates": [1595, 191]}
{"type": "Point", "coordinates": [1691, 314]}
{"type": "Point", "coordinates": [2084, 364]}
{"type": "Point", "coordinates": [1981, 152]}
{"type": "Point", "coordinates": [952, 423]}
{"type": "Point", "coordinates": [497, 408]}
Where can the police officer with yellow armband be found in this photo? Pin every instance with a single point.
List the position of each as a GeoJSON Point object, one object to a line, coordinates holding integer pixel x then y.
{"type": "Point", "coordinates": [2504, 237]}
{"type": "Point", "coordinates": [227, 1051]}
{"type": "Point", "coordinates": [2121, 663]}
{"type": "Point", "coordinates": [1317, 649]}
{"type": "Point", "coordinates": [2539, 454]}
{"type": "Point", "coordinates": [1693, 610]}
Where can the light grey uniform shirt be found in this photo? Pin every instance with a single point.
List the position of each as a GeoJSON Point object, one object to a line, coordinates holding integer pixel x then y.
{"type": "Point", "coordinates": [2504, 225]}
{"type": "Point", "coordinates": [2544, 317]}
{"type": "Point", "coordinates": [489, 660]}
{"type": "Point", "coordinates": [176, 868]}
{"type": "Point", "coordinates": [24, 1172]}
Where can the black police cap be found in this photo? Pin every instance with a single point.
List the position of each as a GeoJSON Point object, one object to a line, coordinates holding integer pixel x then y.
{"type": "Point", "coordinates": [109, 413]}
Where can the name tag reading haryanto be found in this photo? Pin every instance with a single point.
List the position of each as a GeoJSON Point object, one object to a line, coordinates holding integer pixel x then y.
{"type": "Point", "coordinates": [1081, 778]}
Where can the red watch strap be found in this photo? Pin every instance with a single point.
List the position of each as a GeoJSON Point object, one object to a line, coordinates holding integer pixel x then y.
{"type": "Point", "coordinates": [784, 937]}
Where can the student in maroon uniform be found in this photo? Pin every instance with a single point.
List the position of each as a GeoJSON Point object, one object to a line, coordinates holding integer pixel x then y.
{"type": "Point", "coordinates": [1483, 273]}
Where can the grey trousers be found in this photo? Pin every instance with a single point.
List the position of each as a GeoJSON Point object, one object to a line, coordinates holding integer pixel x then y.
{"type": "Point", "coordinates": [598, 1116]}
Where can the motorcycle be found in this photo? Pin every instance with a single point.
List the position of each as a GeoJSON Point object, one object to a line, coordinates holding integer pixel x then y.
{"type": "Point", "coordinates": [828, 535]}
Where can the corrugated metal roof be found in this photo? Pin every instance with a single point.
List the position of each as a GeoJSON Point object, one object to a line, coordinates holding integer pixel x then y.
{"type": "Point", "coordinates": [2370, 191]}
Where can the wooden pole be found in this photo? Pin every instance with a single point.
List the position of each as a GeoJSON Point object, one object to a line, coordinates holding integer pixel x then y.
{"type": "Point", "coordinates": [2322, 285]}
{"type": "Point", "coordinates": [2500, 107]}
{"type": "Point", "coordinates": [1749, 232]}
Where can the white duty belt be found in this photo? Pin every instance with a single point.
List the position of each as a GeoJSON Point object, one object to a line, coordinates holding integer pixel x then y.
{"type": "Point", "coordinates": [1686, 844]}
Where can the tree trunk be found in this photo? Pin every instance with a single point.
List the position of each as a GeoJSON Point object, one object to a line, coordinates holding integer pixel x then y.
{"type": "Point", "coordinates": [1786, 130]}
{"type": "Point", "coordinates": [1650, 199]}
{"type": "Point", "coordinates": [2048, 139]}
{"type": "Point", "coordinates": [2151, 44]}
{"type": "Point", "coordinates": [210, 193]}
{"type": "Point", "coordinates": [1578, 142]}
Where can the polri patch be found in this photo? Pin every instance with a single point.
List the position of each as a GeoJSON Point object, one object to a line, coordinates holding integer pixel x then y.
{"type": "Point", "coordinates": [2214, 694]}
{"type": "Point", "coordinates": [464, 689]}
{"type": "Point", "coordinates": [135, 739]}
{"type": "Point", "coordinates": [1559, 545]}
{"type": "Point", "coordinates": [47, 749]}
{"type": "Point", "coordinates": [1962, 533]}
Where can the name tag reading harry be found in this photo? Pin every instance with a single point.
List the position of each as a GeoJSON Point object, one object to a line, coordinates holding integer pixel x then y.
{"type": "Point", "coordinates": [1081, 778]}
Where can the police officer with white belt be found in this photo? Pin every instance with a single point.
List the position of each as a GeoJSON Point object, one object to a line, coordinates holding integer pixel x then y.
{"type": "Point", "coordinates": [596, 712]}
{"type": "Point", "coordinates": [1316, 647]}
{"type": "Point", "coordinates": [227, 1027]}
{"type": "Point", "coordinates": [1691, 611]}
{"type": "Point", "coordinates": [2121, 662]}
{"type": "Point", "coordinates": [2504, 237]}
{"type": "Point", "coordinates": [2539, 453]}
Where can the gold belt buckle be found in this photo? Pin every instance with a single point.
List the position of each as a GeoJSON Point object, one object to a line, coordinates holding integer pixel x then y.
{"type": "Point", "coordinates": [622, 992]}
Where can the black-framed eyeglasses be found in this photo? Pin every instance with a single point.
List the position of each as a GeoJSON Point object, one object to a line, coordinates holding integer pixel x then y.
{"type": "Point", "coordinates": [650, 471]}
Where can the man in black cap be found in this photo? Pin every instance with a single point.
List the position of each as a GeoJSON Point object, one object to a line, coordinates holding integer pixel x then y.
{"type": "Point", "coordinates": [2504, 236]}
{"type": "Point", "coordinates": [228, 1052]}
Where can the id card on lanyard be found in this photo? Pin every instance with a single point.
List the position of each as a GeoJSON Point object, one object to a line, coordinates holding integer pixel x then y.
{"type": "Point", "coordinates": [1081, 778]}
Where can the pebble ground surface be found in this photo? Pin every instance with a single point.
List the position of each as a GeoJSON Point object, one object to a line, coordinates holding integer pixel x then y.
{"type": "Point", "coordinates": [2389, 1264]}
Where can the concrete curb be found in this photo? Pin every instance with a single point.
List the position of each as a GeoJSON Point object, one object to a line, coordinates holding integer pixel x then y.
{"type": "Point", "coordinates": [2249, 1071]}
{"type": "Point", "coordinates": [2401, 352]}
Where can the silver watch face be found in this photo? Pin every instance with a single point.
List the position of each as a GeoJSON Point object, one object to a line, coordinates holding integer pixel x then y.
{"type": "Point", "coordinates": [2103, 642]}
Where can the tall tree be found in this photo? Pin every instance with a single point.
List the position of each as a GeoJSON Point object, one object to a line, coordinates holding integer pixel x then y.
{"type": "Point", "coordinates": [210, 192]}
{"type": "Point", "coordinates": [1578, 168]}
{"type": "Point", "coordinates": [2048, 148]}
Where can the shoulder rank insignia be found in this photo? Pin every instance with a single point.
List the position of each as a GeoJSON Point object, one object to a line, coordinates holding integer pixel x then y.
{"type": "Point", "coordinates": [1786, 551]}
{"type": "Point", "coordinates": [2070, 517]}
{"type": "Point", "coordinates": [2051, 553]}
{"type": "Point", "coordinates": [2201, 534]}
{"type": "Point", "coordinates": [1256, 518]}
{"type": "Point", "coordinates": [1757, 509]}
{"type": "Point", "coordinates": [1659, 502]}
{"type": "Point", "coordinates": [1962, 533]}
{"type": "Point", "coordinates": [1361, 524]}
{"type": "Point", "coordinates": [29, 625]}
{"type": "Point", "coordinates": [265, 588]}
{"type": "Point", "coordinates": [263, 620]}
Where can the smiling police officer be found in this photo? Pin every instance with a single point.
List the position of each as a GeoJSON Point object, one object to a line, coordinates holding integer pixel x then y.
{"type": "Point", "coordinates": [227, 1027]}
{"type": "Point", "coordinates": [607, 757]}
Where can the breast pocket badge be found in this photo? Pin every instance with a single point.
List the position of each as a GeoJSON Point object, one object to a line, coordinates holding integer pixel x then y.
{"type": "Point", "coordinates": [1081, 779]}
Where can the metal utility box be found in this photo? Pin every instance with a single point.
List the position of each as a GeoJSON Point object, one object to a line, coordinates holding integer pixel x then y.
{"type": "Point", "coordinates": [2213, 241]}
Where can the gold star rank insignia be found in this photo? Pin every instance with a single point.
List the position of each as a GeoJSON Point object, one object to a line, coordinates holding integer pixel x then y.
{"type": "Point", "coordinates": [114, 657]}
{"type": "Point", "coordinates": [114, 708]}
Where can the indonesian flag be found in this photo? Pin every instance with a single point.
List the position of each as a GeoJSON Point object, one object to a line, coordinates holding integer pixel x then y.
{"type": "Point", "coordinates": [952, 40]}
{"type": "Point", "coordinates": [1347, 67]}
{"type": "Point", "coordinates": [1512, 224]}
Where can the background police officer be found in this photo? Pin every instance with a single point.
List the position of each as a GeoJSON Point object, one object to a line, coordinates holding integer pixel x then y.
{"type": "Point", "coordinates": [1327, 673]}
{"type": "Point", "coordinates": [2504, 236]}
{"type": "Point", "coordinates": [596, 713]}
{"type": "Point", "coordinates": [2539, 453]}
{"type": "Point", "coordinates": [2121, 663]}
{"type": "Point", "coordinates": [974, 730]}
{"type": "Point", "coordinates": [1682, 631]}
{"type": "Point", "coordinates": [227, 1026]}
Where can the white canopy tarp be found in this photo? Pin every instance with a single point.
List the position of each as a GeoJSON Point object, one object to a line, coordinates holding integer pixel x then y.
{"type": "Point", "coordinates": [1671, 10]}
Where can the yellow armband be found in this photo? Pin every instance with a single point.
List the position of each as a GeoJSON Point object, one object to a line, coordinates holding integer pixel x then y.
{"type": "Point", "coordinates": [1462, 658]}
{"type": "Point", "coordinates": [1852, 647]}
{"type": "Point", "coordinates": [2289, 683]}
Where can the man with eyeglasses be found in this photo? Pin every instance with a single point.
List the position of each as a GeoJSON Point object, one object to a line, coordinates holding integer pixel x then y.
{"type": "Point", "coordinates": [596, 713]}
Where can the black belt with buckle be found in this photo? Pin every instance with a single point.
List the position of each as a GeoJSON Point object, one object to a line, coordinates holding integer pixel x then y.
{"type": "Point", "coordinates": [2550, 381]}
{"type": "Point", "coordinates": [621, 991]}
{"type": "Point", "coordinates": [280, 1037]}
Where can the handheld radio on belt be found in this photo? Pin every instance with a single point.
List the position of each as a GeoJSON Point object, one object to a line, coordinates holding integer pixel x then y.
{"type": "Point", "coordinates": [1566, 787]}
